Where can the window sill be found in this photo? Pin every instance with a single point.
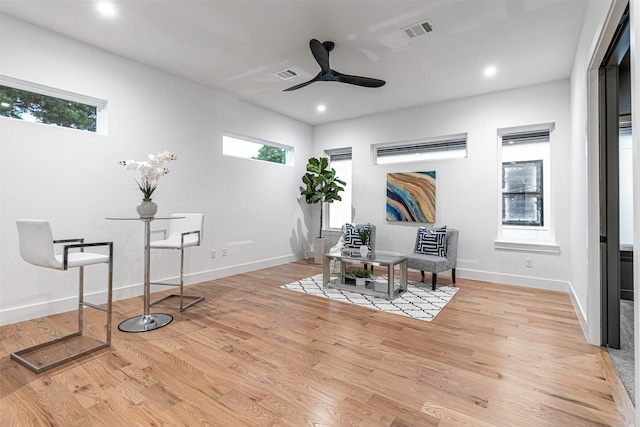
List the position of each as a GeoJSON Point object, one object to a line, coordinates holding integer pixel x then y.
{"type": "Point", "coordinates": [539, 248]}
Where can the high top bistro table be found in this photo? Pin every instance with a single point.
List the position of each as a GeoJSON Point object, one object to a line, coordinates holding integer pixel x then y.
{"type": "Point", "coordinates": [147, 321]}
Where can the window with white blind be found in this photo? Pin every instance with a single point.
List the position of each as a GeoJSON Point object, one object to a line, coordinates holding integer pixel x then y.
{"type": "Point", "coordinates": [525, 185]}
{"type": "Point", "coordinates": [339, 212]}
{"type": "Point", "coordinates": [446, 147]}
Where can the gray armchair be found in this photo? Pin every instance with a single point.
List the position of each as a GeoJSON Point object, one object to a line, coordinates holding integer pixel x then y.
{"type": "Point", "coordinates": [436, 264]}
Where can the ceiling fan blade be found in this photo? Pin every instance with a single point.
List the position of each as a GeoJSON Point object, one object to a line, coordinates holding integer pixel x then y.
{"type": "Point", "coordinates": [301, 85]}
{"type": "Point", "coordinates": [321, 55]}
{"type": "Point", "coordinates": [320, 52]}
{"type": "Point", "coordinates": [358, 80]}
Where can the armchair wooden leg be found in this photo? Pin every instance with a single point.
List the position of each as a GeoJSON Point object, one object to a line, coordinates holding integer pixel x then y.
{"type": "Point", "coordinates": [453, 275]}
{"type": "Point", "coordinates": [422, 273]}
{"type": "Point", "coordinates": [433, 281]}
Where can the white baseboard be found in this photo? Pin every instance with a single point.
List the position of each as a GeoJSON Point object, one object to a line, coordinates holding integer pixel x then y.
{"type": "Point", "coordinates": [513, 279]}
{"type": "Point", "coordinates": [582, 316]}
{"type": "Point", "coordinates": [17, 314]}
{"type": "Point", "coordinates": [238, 269]}
{"type": "Point", "coordinates": [531, 282]}
{"type": "Point", "coordinates": [32, 311]}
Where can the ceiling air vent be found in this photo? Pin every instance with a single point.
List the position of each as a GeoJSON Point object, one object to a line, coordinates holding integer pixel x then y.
{"type": "Point", "coordinates": [286, 74]}
{"type": "Point", "coordinates": [417, 30]}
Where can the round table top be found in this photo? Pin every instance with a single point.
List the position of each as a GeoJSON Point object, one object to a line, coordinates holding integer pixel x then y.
{"type": "Point", "coordinates": [143, 219]}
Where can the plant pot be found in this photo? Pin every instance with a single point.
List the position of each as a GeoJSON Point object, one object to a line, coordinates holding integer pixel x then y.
{"type": "Point", "coordinates": [147, 208]}
{"type": "Point", "coordinates": [319, 244]}
{"type": "Point", "coordinates": [364, 251]}
{"type": "Point", "coordinates": [361, 282]}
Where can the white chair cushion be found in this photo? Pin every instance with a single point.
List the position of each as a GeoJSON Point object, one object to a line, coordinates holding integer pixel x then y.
{"type": "Point", "coordinates": [174, 243]}
{"type": "Point", "coordinates": [77, 259]}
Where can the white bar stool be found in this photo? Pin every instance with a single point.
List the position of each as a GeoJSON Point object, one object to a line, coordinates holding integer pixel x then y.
{"type": "Point", "coordinates": [182, 233]}
{"type": "Point", "coordinates": [36, 247]}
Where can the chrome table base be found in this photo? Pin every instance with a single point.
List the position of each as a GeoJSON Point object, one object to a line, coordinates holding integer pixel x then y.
{"type": "Point", "coordinates": [145, 322]}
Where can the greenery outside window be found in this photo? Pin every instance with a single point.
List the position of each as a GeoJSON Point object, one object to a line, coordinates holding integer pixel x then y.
{"type": "Point", "coordinates": [247, 147]}
{"type": "Point", "coordinates": [31, 102]}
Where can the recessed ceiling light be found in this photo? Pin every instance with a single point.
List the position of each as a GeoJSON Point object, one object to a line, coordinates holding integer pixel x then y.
{"type": "Point", "coordinates": [106, 9]}
{"type": "Point", "coordinates": [490, 71]}
{"type": "Point", "coordinates": [321, 108]}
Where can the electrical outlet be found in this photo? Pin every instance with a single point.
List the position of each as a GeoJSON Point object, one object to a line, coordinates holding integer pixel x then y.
{"type": "Point", "coordinates": [213, 253]}
{"type": "Point", "coordinates": [224, 251]}
{"type": "Point", "coordinates": [528, 262]}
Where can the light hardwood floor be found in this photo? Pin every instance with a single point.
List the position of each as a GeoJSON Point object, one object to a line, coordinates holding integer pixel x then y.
{"type": "Point", "coordinates": [256, 355]}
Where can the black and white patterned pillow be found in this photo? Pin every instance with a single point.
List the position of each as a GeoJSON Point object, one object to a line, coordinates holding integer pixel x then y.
{"type": "Point", "coordinates": [351, 237]}
{"type": "Point", "coordinates": [432, 242]}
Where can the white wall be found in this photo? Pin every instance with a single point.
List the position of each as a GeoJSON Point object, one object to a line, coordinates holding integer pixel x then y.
{"type": "Point", "coordinates": [72, 179]}
{"type": "Point", "coordinates": [467, 189]}
{"type": "Point", "coordinates": [584, 171]}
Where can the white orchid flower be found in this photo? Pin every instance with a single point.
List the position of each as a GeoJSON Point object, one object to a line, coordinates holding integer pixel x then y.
{"type": "Point", "coordinates": [150, 170]}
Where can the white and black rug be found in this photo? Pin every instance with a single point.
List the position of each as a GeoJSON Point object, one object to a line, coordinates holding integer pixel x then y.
{"type": "Point", "coordinates": [418, 302]}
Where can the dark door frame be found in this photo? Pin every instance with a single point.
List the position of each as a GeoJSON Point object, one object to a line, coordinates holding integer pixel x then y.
{"type": "Point", "coordinates": [608, 83]}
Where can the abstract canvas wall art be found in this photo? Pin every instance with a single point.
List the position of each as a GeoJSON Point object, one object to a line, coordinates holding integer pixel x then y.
{"type": "Point", "coordinates": [411, 197]}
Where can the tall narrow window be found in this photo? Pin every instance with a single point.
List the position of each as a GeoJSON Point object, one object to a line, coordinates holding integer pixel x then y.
{"type": "Point", "coordinates": [247, 147]}
{"type": "Point", "coordinates": [36, 103]}
{"type": "Point", "coordinates": [340, 212]}
{"type": "Point", "coordinates": [525, 184]}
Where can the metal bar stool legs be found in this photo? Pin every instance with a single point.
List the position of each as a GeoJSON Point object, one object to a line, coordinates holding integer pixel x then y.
{"type": "Point", "coordinates": [34, 233]}
{"type": "Point", "coordinates": [196, 298]}
{"type": "Point", "coordinates": [184, 232]}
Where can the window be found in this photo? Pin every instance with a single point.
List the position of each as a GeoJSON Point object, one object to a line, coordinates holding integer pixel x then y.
{"type": "Point", "coordinates": [340, 212]}
{"type": "Point", "coordinates": [454, 146]}
{"type": "Point", "coordinates": [31, 102]}
{"type": "Point", "coordinates": [525, 185]}
{"type": "Point", "coordinates": [522, 200]}
{"type": "Point", "coordinates": [247, 147]}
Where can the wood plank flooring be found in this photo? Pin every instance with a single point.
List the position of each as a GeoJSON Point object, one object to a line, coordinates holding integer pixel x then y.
{"type": "Point", "coordinates": [253, 354]}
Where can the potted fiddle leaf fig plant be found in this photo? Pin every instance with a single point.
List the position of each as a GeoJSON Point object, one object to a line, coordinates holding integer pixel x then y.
{"type": "Point", "coordinates": [321, 185]}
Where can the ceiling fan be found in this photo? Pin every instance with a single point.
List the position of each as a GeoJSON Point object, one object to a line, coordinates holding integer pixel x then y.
{"type": "Point", "coordinates": [320, 52]}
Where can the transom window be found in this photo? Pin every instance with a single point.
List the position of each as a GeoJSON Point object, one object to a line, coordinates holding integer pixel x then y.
{"type": "Point", "coordinates": [446, 147]}
{"type": "Point", "coordinates": [36, 103]}
{"type": "Point", "coordinates": [248, 147]}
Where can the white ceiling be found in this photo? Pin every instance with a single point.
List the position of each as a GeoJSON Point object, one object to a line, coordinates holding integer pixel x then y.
{"type": "Point", "coordinates": [236, 46]}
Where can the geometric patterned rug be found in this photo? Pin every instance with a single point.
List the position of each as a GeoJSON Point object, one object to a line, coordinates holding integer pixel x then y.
{"type": "Point", "coordinates": [418, 302]}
